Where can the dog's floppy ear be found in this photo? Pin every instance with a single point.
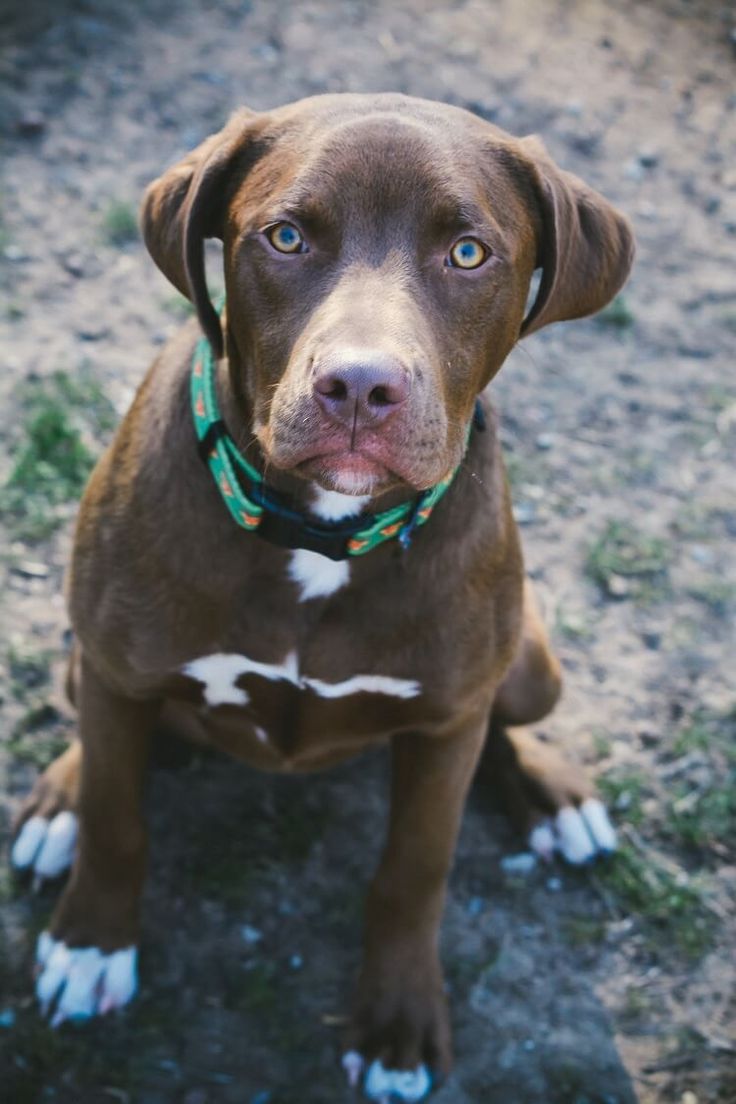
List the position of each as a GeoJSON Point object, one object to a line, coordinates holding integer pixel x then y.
{"type": "Point", "coordinates": [585, 247]}
{"type": "Point", "coordinates": [187, 205]}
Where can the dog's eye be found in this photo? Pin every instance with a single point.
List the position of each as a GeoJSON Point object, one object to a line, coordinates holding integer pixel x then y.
{"type": "Point", "coordinates": [467, 253]}
{"type": "Point", "coordinates": [286, 238]}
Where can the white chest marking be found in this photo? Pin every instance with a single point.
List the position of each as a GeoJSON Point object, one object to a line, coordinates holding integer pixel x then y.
{"type": "Point", "coordinates": [371, 684]}
{"type": "Point", "coordinates": [220, 671]}
{"type": "Point", "coordinates": [318, 576]}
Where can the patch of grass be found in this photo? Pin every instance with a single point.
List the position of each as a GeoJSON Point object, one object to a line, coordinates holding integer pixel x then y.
{"type": "Point", "coordinates": [618, 315]}
{"type": "Point", "coordinates": [719, 595]}
{"type": "Point", "coordinates": [625, 560]}
{"type": "Point", "coordinates": [38, 738]}
{"type": "Point", "coordinates": [668, 904]}
{"type": "Point", "coordinates": [581, 931]}
{"type": "Point", "coordinates": [178, 306]}
{"type": "Point", "coordinates": [29, 669]}
{"type": "Point", "coordinates": [701, 812]}
{"type": "Point", "coordinates": [119, 223]}
{"type": "Point", "coordinates": [521, 469]}
{"type": "Point", "coordinates": [625, 791]}
{"type": "Point", "coordinates": [601, 743]}
{"type": "Point", "coordinates": [62, 415]}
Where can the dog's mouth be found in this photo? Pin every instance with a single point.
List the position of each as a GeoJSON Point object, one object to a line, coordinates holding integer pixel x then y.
{"type": "Point", "coordinates": [349, 472]}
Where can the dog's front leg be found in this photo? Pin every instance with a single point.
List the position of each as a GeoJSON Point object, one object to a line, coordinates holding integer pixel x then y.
{"type": "Point", "coordinates": [400, 1025]}
{"type": "Point", "coordinates": [87, 958]}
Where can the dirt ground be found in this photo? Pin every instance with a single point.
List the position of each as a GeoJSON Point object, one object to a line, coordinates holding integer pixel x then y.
{"type": "Point", "coordinates": [606, 986]}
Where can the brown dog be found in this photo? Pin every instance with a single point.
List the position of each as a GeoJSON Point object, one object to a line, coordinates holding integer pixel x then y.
{"type": "Point", "coordinates": [378, 253]}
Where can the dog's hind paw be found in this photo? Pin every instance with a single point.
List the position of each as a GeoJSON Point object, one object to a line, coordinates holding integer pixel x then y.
{"type": "Point", "coordinates": [579, 835]}
{"type": "Point", "coordinates": [75, 983]}
{"type": "Point", "coordinates": [386, 1085]}
{"type": "Point", "coordinates": [46, 847]}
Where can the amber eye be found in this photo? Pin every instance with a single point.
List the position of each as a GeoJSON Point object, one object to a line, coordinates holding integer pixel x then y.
{"type": "Point", "coordinates": [286, 238]}
{"type": "Point", "coordinates": [467, 253]}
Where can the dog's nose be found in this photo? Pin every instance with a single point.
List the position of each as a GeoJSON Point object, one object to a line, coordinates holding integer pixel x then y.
{"type": "Point", "coordinates": [363, 390]}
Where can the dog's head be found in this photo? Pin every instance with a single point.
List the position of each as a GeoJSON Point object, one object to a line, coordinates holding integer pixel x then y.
{"type": "Point", "coordinates": [378, 255]}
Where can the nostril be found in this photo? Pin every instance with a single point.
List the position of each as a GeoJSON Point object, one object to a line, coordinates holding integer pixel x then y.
{"type": "Point", "coordinates": [332, 387]}
{"type": "Point", "coordinates": [379, 397]}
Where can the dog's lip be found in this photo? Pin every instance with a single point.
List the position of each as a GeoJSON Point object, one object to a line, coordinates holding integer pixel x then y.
{"type": "Point", "coordinates": [347, 461]}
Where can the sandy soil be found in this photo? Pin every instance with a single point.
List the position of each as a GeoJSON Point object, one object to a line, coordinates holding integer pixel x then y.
{"type": "Point", "coordinates": [613, 985]}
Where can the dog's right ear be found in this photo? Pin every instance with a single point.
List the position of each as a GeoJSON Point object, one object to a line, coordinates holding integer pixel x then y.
{"type": "Point", "coordinates": [187, 205]}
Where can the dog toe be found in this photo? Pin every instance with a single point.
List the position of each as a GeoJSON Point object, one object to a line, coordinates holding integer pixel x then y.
{"type": "Point", "coordinates": [599, 825]}
{"type": "Point", "coordinates": [386, 1085]}
{"type": "Point", "coordinates": [46, 847]}
{"type": "Point", "coordinates": [29, 842]}
{"type": "Point", "coordinates": [574, 841]}
{"type": "Point", "coordinates": [82, 982]}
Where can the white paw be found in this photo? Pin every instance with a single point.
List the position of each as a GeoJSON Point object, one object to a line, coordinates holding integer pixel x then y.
{"type": "Point", "coordinates": [580, 835]}
{"type": "Point", "coordinates": [46, 846]}
{"type": "Point", "coordinates": [386, 1085]}
{"type": "Point", "coordinates": [80, 982]}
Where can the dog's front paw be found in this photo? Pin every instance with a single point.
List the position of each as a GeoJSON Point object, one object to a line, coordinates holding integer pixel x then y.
{"type": "Point", "coordinates": [75, 983]}
{"type": "Point", "coordinates": [400, 1034]}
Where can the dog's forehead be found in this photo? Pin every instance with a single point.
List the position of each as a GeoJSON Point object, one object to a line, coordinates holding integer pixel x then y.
{"type": "Point", "coordinates": [358, 156]}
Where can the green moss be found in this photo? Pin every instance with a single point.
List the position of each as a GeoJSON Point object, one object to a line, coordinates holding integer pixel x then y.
{"type": "Point", "coordinates": [622, 552]}
{"type": "Point", "coordinates": [55, 453]}
{"type": "Point", "coordinates": [618, 315]}
{"type": "Point", "coordinates": [625, 790]}
{"type": "Point", "coordinates": [120, 223]}
{"type": "Point", "coordinates": [669, 905]}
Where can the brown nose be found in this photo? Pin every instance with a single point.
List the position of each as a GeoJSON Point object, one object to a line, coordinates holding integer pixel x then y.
{"type": "Point", "coordinates": [363, 390]}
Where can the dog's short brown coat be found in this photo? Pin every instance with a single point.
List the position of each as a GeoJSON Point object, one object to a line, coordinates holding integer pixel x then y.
{"type": "Point", "coordinates": [381, 186]}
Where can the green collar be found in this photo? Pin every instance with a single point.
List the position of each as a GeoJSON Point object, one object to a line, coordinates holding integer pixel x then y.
{"type": "Point", "coordinates": [261, 510]}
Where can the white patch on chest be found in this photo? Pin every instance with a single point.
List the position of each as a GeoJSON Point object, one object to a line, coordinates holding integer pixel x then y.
{"type": "Point", "coordinates": [370, 684]}
{"type": "Point", "coordinates": [220, 671]}
{"type": "Point", "coordinates": [318, 576]}
{"type": "Point", "coordinates": [333, 506]}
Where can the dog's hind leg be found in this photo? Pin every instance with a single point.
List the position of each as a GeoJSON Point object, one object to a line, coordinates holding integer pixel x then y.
{"type": "Point", "coordinates": [548, 798]}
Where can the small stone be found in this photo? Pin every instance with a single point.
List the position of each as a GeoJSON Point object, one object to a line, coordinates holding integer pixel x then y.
{"type": "Point", "coordinates": [545, 441]}
{"type": "Point", "coordinates": [92, 332]}
{"type": "Point", "coordinates": [250, 935]}
{"type": "Point", "coordinates": [30, 569]}
{"type": "Point", "coordinates": [529, 1045]}
{"type": "Point", "coordinates": [648, 158]}
{"type": "Point", "coordinates": [14, 253]}
{"type": "Point", "coordinates": [523, 863]}
{"type": "Point", "coordinates": [652, 640]}
{"type": "Point", "coordinates": [617, 586]}
{"type": "Point", "coordinates": [73, 263]}
{"type": "Point", "coordinates": [296, 962]}
{"type": "Point", "coordinates": [554, 885]}
{"type": "Point", "coordinates": [524, 513]}
{"type": "Point", "coordinates": [634, 170]}
{"type": "Point", "coordinates": [689, 1098]}
{"type": "Point", "coordinates": [31, 123]}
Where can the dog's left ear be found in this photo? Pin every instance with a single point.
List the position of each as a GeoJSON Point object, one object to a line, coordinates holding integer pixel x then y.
{"type": "Point", "coordinates": [188, 203]}
{"type": "Point", "coordinates": [585, 247]}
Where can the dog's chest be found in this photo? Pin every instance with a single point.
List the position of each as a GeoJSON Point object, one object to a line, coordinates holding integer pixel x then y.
{"type": "Point", "coordinates": [277, 714]}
